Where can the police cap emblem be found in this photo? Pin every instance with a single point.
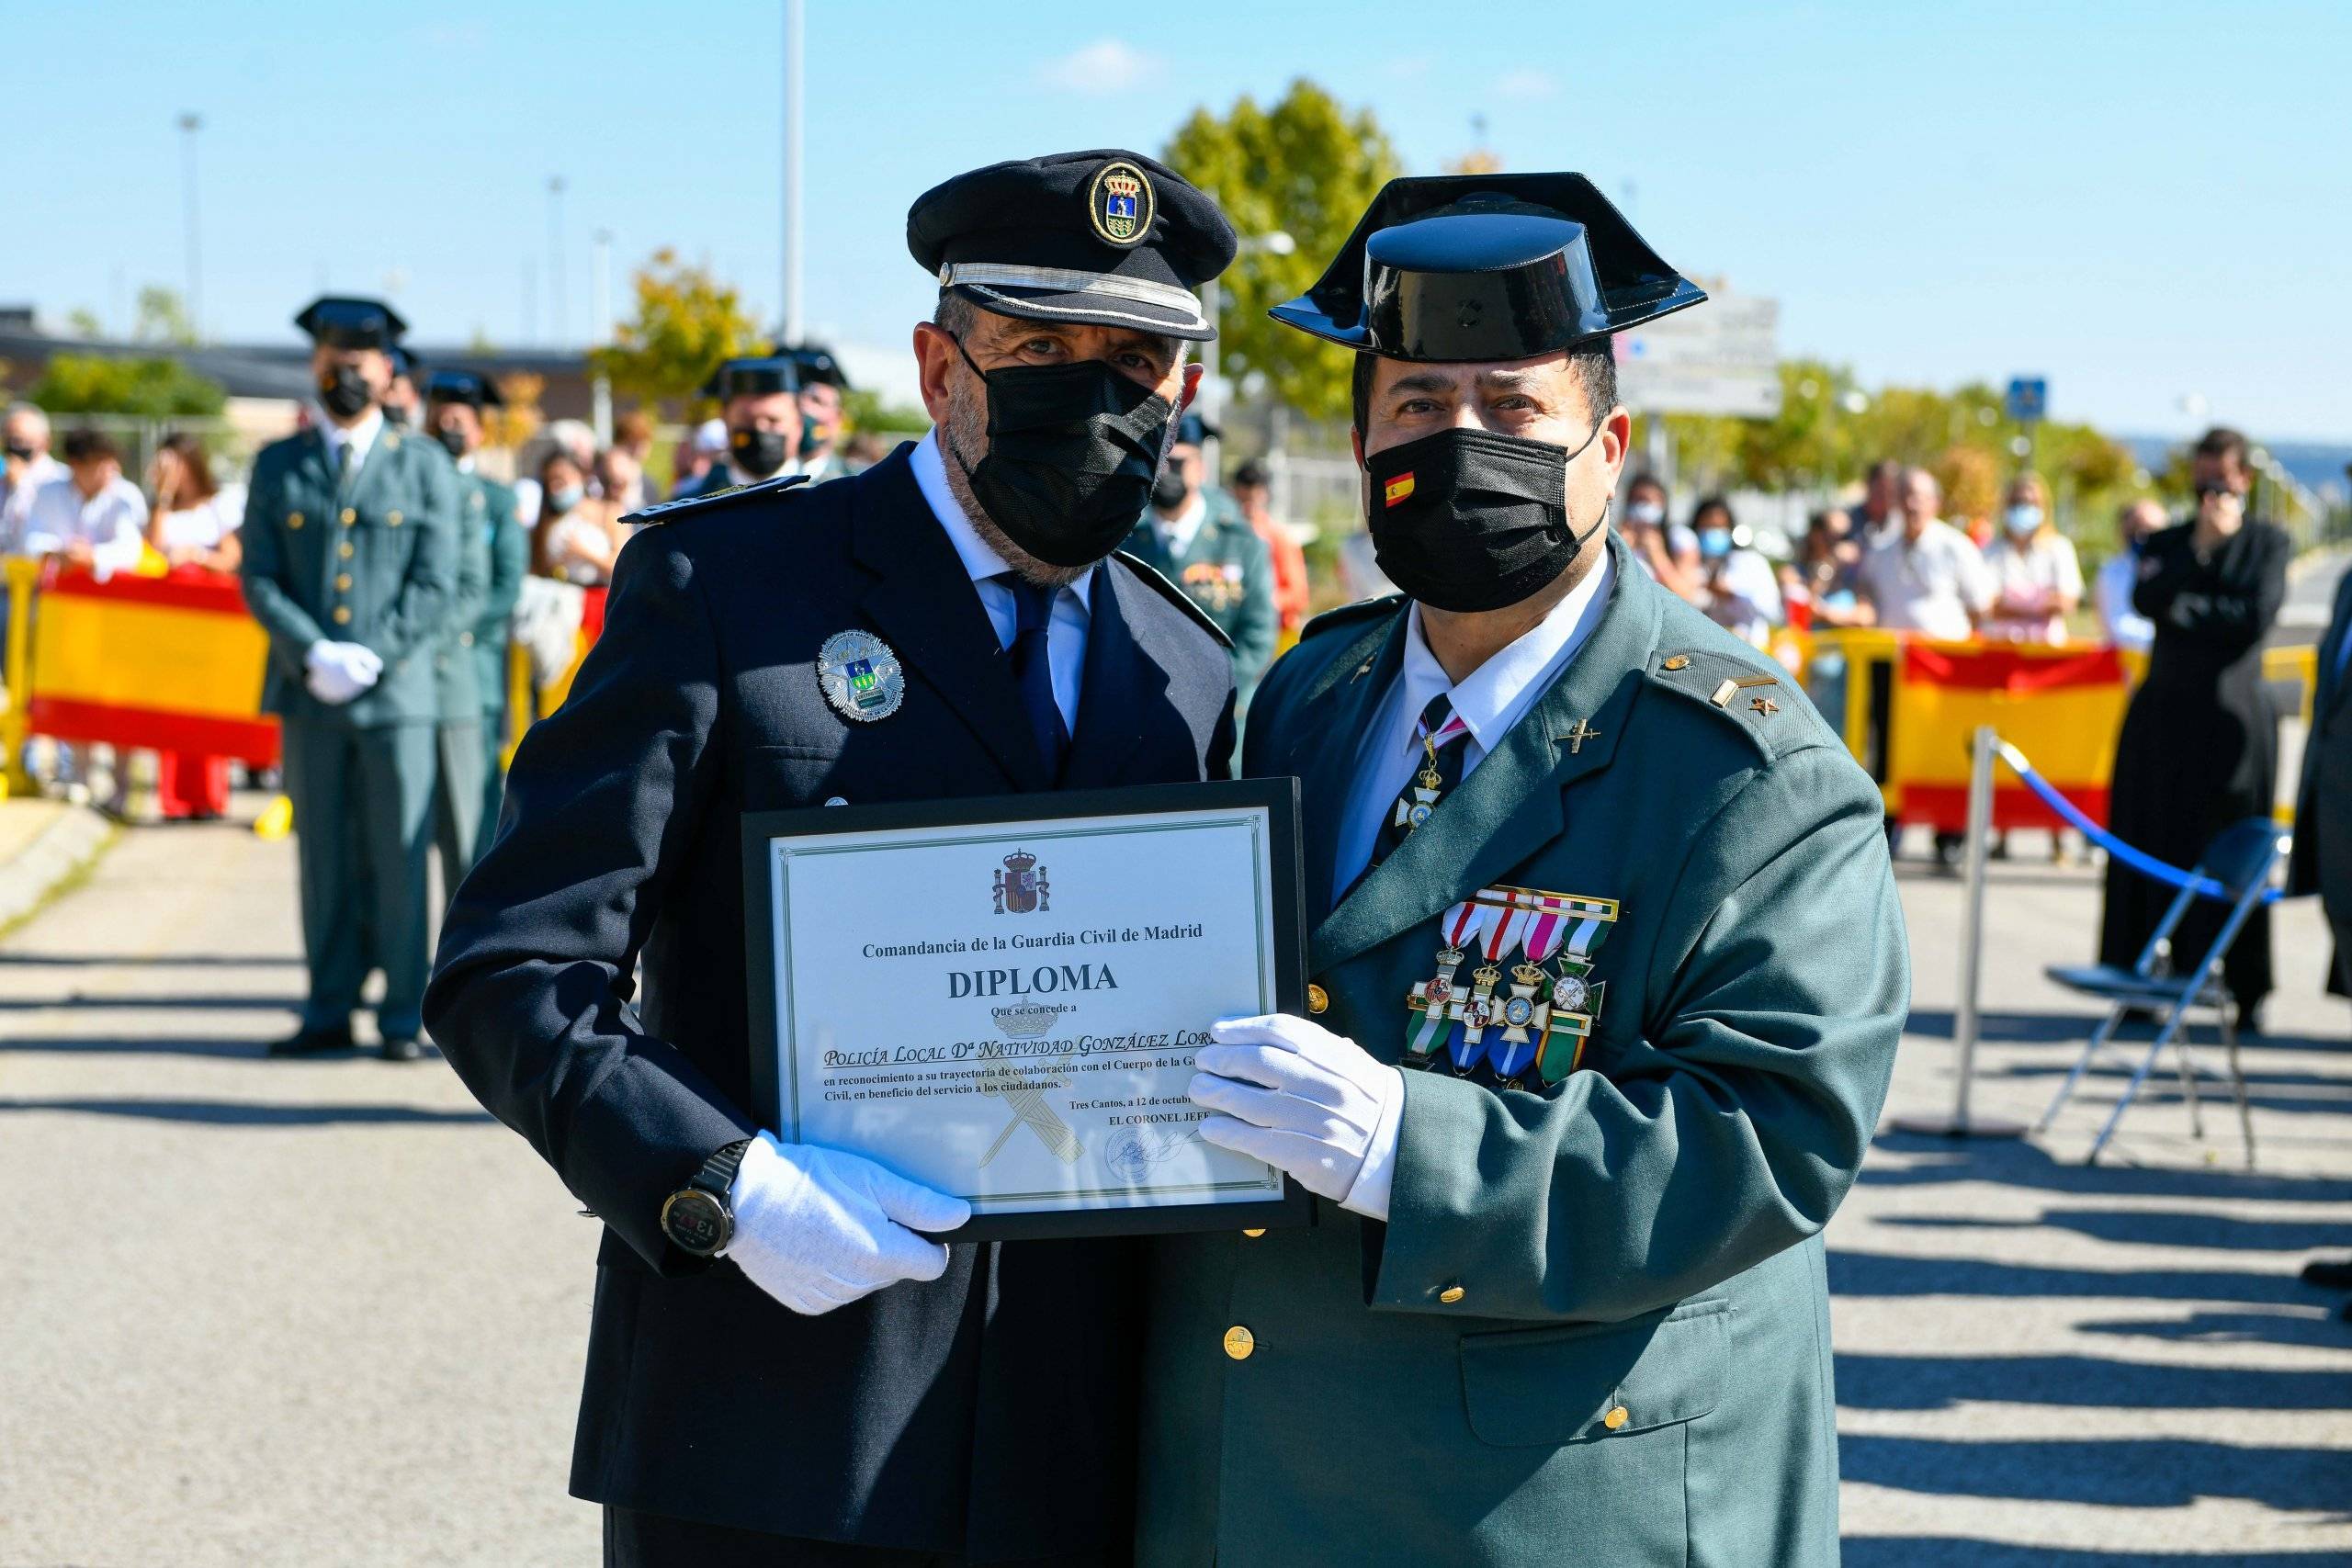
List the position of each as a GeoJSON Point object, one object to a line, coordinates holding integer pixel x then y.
{"type": "Point", "coordinates": [860, 676]}
{"type": "Point", "coordinates": [1119, 203]}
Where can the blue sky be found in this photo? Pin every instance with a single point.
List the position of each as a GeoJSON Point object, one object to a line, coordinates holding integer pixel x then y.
{"type": "Point", "coordinates": [2141, 201]}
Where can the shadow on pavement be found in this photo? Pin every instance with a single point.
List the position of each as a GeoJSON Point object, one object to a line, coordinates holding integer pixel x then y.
{"type": "Point", "coordinates": [1943, 1382]}
{"type": "Point", "coordinates": [244, 1114]}
{"type": "Point", "coordinates": [2157, 1228]}
{"type": "Point", "coordinates": [66, 1045]}
{"type": "Point", "coordinates": [148, 960]}
{"type": "Point", "coordinates": [2319, 1326]}
{"type": "Point", "coordinates": [281, 1003]}
{"type": "Point", "coordinates": [1888, 1274]}
{"type": "Point", "coordinates": [2121, 1472]}
{"type": "Point", "coordinates": [1931, 1551]}
{"type": "Point", "coordinates": [2019, 1162]}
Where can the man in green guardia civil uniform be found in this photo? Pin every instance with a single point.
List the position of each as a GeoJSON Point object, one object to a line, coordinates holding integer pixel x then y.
{"type": "Point", "coordinates": [1194, 535]}
{"type": "Point", "coordinates": [351, 560]}
{"type": "Point", "coordinates": [494, 554]}
{"type": "Point", "coordinates": [1607, 976]}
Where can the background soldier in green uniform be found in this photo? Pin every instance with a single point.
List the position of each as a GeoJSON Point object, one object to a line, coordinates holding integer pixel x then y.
{"type": "Point", "coordinates": [1607, 974]}
{"type": "Point", "coordinates": [494, 554]}
{"type": "Point", "coordinates": [1195, 537]}
{"type": "Point", "coordinates": [351, 558]}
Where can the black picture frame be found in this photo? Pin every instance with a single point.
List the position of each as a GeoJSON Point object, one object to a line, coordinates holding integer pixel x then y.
{"type": "Point", "coordinates": [1279, 797]}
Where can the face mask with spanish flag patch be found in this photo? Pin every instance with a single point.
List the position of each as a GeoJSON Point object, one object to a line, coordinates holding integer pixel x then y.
{"type": "Point", "coordinates": [1467, 520]}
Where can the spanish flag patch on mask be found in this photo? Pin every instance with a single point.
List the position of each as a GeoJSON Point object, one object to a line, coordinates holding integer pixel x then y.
{"type": "Point", "coordinates": [1399, 489]}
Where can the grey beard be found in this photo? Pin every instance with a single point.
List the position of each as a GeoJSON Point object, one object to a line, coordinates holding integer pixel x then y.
{"type": "Point", "coordinates": [965, 412]}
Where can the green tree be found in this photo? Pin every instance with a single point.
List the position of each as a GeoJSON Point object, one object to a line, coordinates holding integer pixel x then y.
{"type": "Point", "coordinates": [865, 410]}
{"type": "Point", "coordinates": [1308, 168]}
{"type": "Point", "coordinates": [152, 388]}
{"type": "Point", "coordinates": [163, 319]}
{"type": "Point", "coordinates": [686, 323]}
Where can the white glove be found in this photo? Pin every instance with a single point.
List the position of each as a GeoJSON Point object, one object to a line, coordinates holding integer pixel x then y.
{"type": "Point", "coordinates": [817, 1228]}
{"type": "Point", "coordinates": [1327, 1112]}
{"type": "Point", "coordinates": [341, 670]}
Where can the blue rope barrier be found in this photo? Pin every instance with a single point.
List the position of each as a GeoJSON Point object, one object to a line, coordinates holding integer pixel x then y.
{"type": "Point", "coordinates": [2138, 860]}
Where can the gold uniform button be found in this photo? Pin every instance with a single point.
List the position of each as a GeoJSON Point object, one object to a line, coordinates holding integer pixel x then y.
{"type": "Point", "coordinates": [393, 518]}
{"type": "Point", "coordinates": [345, 549]}
{"type": "Point", "coordinates": [1318, 998]}
{"type": "Point", "coordinates": [1680, 661]}
{"type": "Point", "coordinates": [1239, 1342]}
{"type": "Point", "coordinates": [293, 520]}
{"type": "Point", "coordinates": [1255, 1234]}
{"type": "Point", "coordinates": [343, 583]}
{"type": "Point", "coordinates": [349, 517]}
{"type": "Point", "coordinates": [1615, 1419]}
{"type": "Point", "coordinates": [342, 615]}
{"type": "Point", "coordinates": [465, 639]}
{"type": "Point", "coordinates": [1452, 1294]}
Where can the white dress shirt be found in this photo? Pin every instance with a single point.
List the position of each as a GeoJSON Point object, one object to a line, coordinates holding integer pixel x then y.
{"type": "Point", "coordinates": [1489, 700]}
{"type": "Point", "coordinates": [16, 500]}
{"type": "Point", "coordinates": [2124, 625]}
{"type": "Point", "coordinates": [113, 523]}
{"type": "Point", "coordinates": [1065, 635]}
{"type": "Point", "coordinates": [1932, 586]}
{"type": "Point", "coordinates": [360, 436]}
{"type": "Point", "coordinates": [1178, 533]}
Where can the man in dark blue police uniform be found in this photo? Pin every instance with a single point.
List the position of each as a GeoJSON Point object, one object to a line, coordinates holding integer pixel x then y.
{"type": "Point", "coordinates": [835, 1387]}
{"type": "Point", "coordinates": [760, 399]}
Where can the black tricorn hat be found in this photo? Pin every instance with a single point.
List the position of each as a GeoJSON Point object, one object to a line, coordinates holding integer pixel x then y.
{"type": "Point", "coordinates": [463, 387]}
{"type": "Point", "coordinates": [817, 367]}
{"type": "Point", "coordinates": [1476, 267]}
{"type": "Point", "coordinates": [754, 375]}
{"type": "Point", "coordinates": [341, 321]}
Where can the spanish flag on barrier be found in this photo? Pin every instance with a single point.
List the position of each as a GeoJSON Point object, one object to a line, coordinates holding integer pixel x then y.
{"type": "Point", "coordinates": [2062, 706]}
{"type": "Point", "coordinates": [173, 662]}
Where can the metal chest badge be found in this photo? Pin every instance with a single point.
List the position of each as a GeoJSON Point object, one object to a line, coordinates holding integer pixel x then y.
{"type": "Point", "coordinates": [860, 675]}
{"type": "Point", "coordinates": [1539, 1018]}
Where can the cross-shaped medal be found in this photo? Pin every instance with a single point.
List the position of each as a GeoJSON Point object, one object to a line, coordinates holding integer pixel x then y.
{"type": "Point", "coordinates": [1577, 737]}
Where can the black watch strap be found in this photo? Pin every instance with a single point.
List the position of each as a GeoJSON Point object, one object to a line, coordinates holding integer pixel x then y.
{"type": "Point", "coordinates": [699, 1218]}
{"type": "Point", "coordinates": [717, 1175]}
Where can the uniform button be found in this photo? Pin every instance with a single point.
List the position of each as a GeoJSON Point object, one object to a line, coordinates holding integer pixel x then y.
{"type": "Point", "coordinates": [1318, 998]}
{"type": "Point", "coordinates": [1680, 661]}
{"type": "Point", "coordinates": [1451, 1294]}
{"type": "Point", "coordinates": [293, 520]}
{"type": "Point", "coordinates": [343, 583]}
{"type": "Point", "coordinates": [1615, 1419]}
{"type": "Point", "coordinates": [342, 615]}
{"type": "Point", "coordinates": [393, 518]}
{"type": "Point", "coordinates": [465, 639]}
{"type": "Point", "coordinates": [345, 549]}
{"type": "Point", "coordinates": [1255, 1234]}
{"type": "Point", "coordinates": [1239, 1342]}
{"type": "Point", "coordinates": [349, 517]}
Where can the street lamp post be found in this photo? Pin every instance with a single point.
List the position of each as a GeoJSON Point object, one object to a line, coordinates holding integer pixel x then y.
{"type": "Point", "coordinates": [1277, 244]}
{"type": "Point", "coordinates": [794, 47]}
{"type": "Point", "coordinates": [600, 284]}
{"type": "Point", "coordinates": [555, 258]}
{"type": "Point", "coordinates": [189, 125]}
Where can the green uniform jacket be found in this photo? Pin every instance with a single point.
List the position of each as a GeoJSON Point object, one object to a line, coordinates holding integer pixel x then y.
{"type": "Point", "coordinates": [376, 567]}
{"type": "Point", "coordinates": [1227, 572]}
{"type": "Point", "coordinates": [510, 559]}
{"type": "Point", "coordinates": [457, 675]}
{"type": "Point", "coordinates": [1595, 1327]}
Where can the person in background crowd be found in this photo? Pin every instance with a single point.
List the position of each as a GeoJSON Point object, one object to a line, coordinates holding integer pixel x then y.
{"type": "Point", "coordinates": [696, 452]}
{"type": "Point", "coordinates": [863, 449]}
{"type": "Point", "coordinates": [93, 516]}
{"type": "Point", "coordinates": [822, 387]}
{"type": "Point", "coordinates": [2038, 581]}
{"type": "Point", "coordinates": [456, 678]}
{"type": "Point", "coordinates": [1738, 588]}
{"type": "Point", "coordinates": [579, 535]}
{"type": "Point", "coordinates": [1660, 548]}
{"type": "Point", "coordinates": [192, 524]}
{"type": "Point", "coordinates": [633, 434]}
{"type": "Point", "coordinates": [192, 520]}
{"type": "Point", "coordinates": [400, 395]}
{"type": "Point", "coordinates": [1253, 491]}
{"type": "Point", "coordinates": [576, 442]}
{"type": "Point", "coordinates": [619, 480]}
{"type": "Point", "coordinates": [454, 403]}
{"type": "Point", "coordinates": [1195, 537]}
{"type": "Point", "coordinates": [1881, 492]}
{"type": "Point", "coordinates": [24, 441]}
{"type": "Point", "coordinates": [762, 399]}
{"type": "Point", "coordinates": [2200, 747]}
{"type": "Point", "coordinates": [2120, 575]}
{"type": "Point", "coordinates": [1826, 578]}
{"type": "Point", "coordinates": [351, 558]}
{"type": "Point", "coordinates": [1924, 575]}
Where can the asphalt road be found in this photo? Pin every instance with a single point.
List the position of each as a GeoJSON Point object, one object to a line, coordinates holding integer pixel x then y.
{"type": "Point", "coordinates": [258, 1314]}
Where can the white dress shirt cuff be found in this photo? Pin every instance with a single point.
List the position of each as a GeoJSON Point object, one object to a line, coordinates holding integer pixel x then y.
{"type": "Point", "coordinates": [1368, 1195]}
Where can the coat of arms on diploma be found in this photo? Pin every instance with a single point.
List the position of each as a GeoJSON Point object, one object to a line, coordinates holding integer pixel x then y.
{"type": "Point", "coordinates": [1020, 886]}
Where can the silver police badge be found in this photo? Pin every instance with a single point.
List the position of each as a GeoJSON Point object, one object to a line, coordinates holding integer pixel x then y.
{"type": "Point", "coordinates": [861, 676]}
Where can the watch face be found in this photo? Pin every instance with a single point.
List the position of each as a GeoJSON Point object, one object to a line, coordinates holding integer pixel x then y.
{"type": "Point", "coordinates": [695, 1221]}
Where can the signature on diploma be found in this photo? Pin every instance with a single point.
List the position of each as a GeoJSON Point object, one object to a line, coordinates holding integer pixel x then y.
{"type": "Point", "coordinates": [1132, 1153]}
{"type": "Point", "coordinates": [1026, 1098]}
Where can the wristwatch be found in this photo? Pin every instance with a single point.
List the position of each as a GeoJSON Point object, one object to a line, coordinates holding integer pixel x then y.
{"type": "Point", "coordinates": [698, 1217]}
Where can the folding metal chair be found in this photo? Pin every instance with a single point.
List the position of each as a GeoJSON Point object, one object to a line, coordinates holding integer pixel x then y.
{"type": "Point", "coordinates": [2240, 859]}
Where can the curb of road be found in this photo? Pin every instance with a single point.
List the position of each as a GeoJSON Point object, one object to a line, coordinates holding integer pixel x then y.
{"type": "Point", "coordinates": [58, 856]}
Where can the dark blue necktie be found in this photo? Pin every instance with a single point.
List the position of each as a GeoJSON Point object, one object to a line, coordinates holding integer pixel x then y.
{"type": "Point", "coordinates": [1033, 615]}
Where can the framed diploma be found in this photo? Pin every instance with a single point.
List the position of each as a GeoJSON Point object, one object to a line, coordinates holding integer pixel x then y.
{"type": "Point", "coordinates": [1001, 997]}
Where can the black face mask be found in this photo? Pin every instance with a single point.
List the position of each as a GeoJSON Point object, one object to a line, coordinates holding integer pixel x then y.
{"type": "Point", "coordinates": [1168, 492]}
{"type": "Point", "coordinates": [1467, 520]}
{"type": "Point", "coordinates": [396, 414]}
{"type": "Point", "coordinates": [345, 391]}
{"type": "Point", "coordinates": [759, 452]}
{"type": "Point", "coordinates": [452, 439]}
{"type": "Point", "coordinates": [812, 441]}
{"type": "Point", "coordinates": [20, 451]}
{"type": "Point", "coordinates": [1072, 449]}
